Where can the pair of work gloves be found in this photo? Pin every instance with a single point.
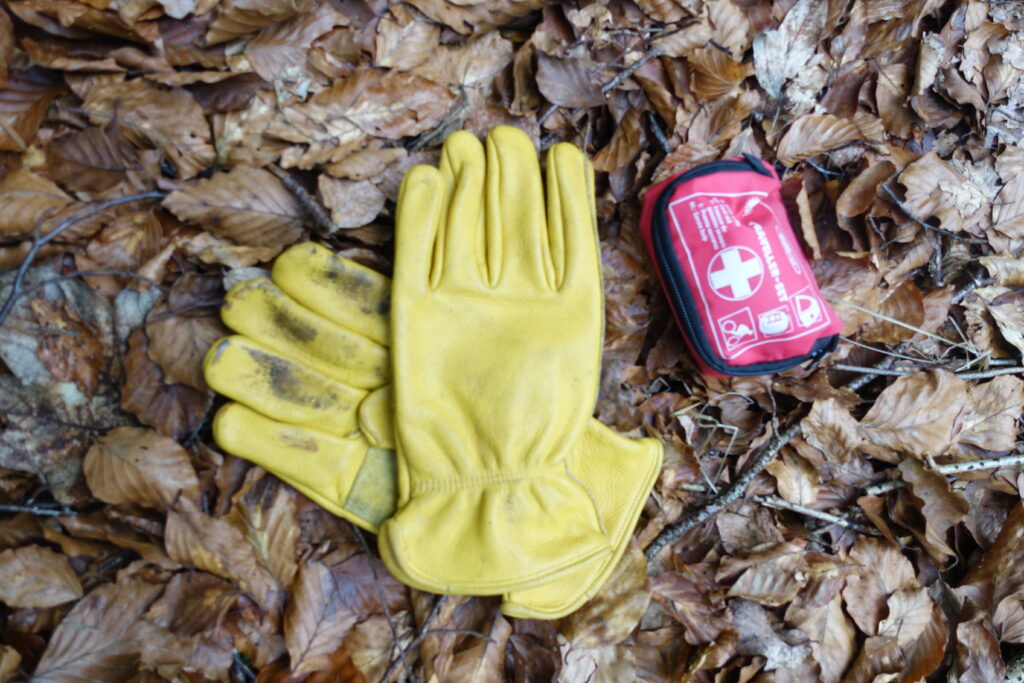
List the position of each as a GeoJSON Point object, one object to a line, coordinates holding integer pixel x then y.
{"type": "Point", "coordinates": [449, 410]}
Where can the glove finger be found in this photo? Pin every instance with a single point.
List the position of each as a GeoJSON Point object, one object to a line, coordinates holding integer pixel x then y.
{"type": "Point", "coordinates": [518, 252]}
{"type": "Point", "coordinates": [375, 418]}
{"type": "Point", "coordinates": [421, 200]}
{"type": "Point", "coordinates": [460, 236]}
{"type": "Point", "coordinates": [571, 219]}
{"type": "Point", "coordinates": [345, 476]}
{"type": "Point", "coordinates": [260, 311]}
{"type": "Point", "coordinates": [346, 293]}
{"type": "Point", "coordinates": [280, 388]}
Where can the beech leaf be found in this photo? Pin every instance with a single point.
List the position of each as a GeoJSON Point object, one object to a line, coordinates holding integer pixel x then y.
{"type": "Point", "coordinates": [135, 465]}
{"type": "Point", "coordinates": [37, 577]}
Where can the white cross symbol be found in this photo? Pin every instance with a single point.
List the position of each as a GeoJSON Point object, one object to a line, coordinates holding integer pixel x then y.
{"type": "Point", "coordinates": [736, 273]}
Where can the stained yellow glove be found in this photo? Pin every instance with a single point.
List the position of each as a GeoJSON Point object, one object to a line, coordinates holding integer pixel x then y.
{"type": "Point", "coordinates": [292, 364]}
{"type": "Point", "coordinates": [497, 322]}
{"type": "Point", "coordinates": [309, 371]}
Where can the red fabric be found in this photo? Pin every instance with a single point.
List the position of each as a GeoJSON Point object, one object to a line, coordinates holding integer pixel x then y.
{"type": "Point", "coordinates": [753, 288]}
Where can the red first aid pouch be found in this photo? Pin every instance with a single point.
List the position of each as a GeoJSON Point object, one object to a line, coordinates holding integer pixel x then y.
{"type": "Point", "coordinates": [739, 285]}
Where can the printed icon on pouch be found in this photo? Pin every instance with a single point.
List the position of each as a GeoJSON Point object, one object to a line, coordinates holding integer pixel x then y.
{"type": "Point", "coordinates": [808, 310]}
{"type": "Point", "coordinates": [737, 328]}
{"type": "Point", "coordinates": [736, 273]}
{"type": "Point", "coordinates": [774, 322]}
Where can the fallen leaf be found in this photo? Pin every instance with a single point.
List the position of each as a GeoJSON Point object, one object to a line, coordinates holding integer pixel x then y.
{"type": "Point", "coordinates": [917, 414]}
{"type": "Point", "coordinates": [215, 545]}
{"type": "Point", "coordinates": [941, 508]}
{"type": "Point", "coordinates": [624, 145]}
{"type": "Point", "coordinates": [182, 329]}
{"type": "Point", "coordinates": [404, 41]}
{"type": "Point", "coordinates": [780, 54]}
{"type": "Point", "coordinates": [816, 133]}
{"type": "Point", "coordinates": [665, 11]}
{"type": "Point", "coordinates": [352, 203]}
{"type": "Point", "coordinates": [715, 73]}
{"type": "Point", "coordinates": [796, 478]}
{"type": "Point", "coordinates": [770, 576]}
{"type": "Point", "coordinates": [9, 661]}
{"type": "Point", "coordinates": [169, 119]}
{"type": "Point", "coordinates": [475, 17]}
{"type": "Point", "coordinates": [29, 202]}
{"type": "Point", "coordinates": [1005, 308]}
{"type": "Point", "coordinates": [23, 102]}
{"type": "Point", "coordinates": [100, 637]}
{"type": "Point", "coordinates": [910, 610]}
{"type": "Point", "coordinates": [279, 52]}
{"type": "Point", "coordinates": [6, 52]}
{"type": "Point", "coordinates": [1008, 211]}
{"type": "Point", "coordinates": [935, 188]}
{"type": "Point", "coordinates": [135, 465]}
{"type": "Point", "coordinates": [174, 410]}
{"type": "Point", "coordinates": [757, 637]}
{"type": "Point", "coordinates": [1004, 269]}
{"type": "Point", "coordinates": [880, 570]}
{"type": "Point", "coordinates": [241, 17]}
{"type": "Point", "coordinates": [995, 407]}
{"type": "Point", "coordinates": [613, 613]}
{"type": "Point", "coordinates": [91, 160]}
{"type": "Point", "coordinates": [485, 661]}
{"type": "Point", "coordinates": [861, 193]}
{"type": "Point", "coordinates": [832, 636]}
{"type": "Point", "coordinates": [37, 577]}
{"type": "Point", "coordinates": [317, 619]}
{"type": "Point", "coordinates": [831, 428]}
{"type": "Point", "coordinates": [264, 509]}
{"type": "Point", "coordinates": [567, 82]}
{"type": "Point", "coordinates": [247, 205]}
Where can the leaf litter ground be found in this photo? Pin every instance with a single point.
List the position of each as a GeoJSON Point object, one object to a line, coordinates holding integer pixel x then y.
{"type": "Point", "coordinates": [858, 521]}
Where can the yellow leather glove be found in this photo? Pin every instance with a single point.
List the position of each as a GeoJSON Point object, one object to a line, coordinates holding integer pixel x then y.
{"type": "Point", "coordinates": [309, 370]}
{"type": "Point", "coordinates": [289, 368]}
{"type": "Point", "coordinates": [497, 321]}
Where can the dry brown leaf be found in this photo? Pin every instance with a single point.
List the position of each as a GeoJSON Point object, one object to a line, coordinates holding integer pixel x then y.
{"type": "Point", "coordinates": [816, 133]}
{"type": "Point", "coordinates": [1005, 308]}
{"type": "Point", "coordinates": [995, 406]}
{"type": "Point", "coordinates": [365, 164]}
{"type": "Point", "coordinates": [473, 64]}
{"type": "Point", "coordinates": [278, 53]}
{"type": "Point", "coordinates": [935, 188]}
{"type": "Point", "coordinates": [613, 613]}
{"type": "Point", "coordinates": [665, 11]}
{"type": "Point", "coordinates": [334, 122]}
{"type": "Point", "coordinates": [317, 619]}
{"type": "Point", "coordinates": [1008, 210]}
{"type": "Point", "coordinates": [757, 636]}
{"type": "Point", "coordinates": [193, 602]}
{"type": "Point", "coordinates": [880, 571]}
{"type": "Point", "coordinates": [904, 303]}
{"type": "Point", "coordinates": [172, 409]}
{"type": "Point", "coordinates": [131, 239]}
{"type": "Point", "coordinates": [264, 509]}
{"type": "Point", "coordinates": [23, 102]}
{"type": "Point", "coordinates": [607, 664]}
{"type": "Point", "coordinates": [832, 636]}
{"type": "Point", "coordinates": [104, 527]}
{"type": "Point", "coordinates": [484, 662]}
{"type": "Point", "coordinates": [215, 545]}
{"type": "Point", "coordinates": [100, 637]}
{"type": "Point", "coordinates": [681, 42]}
{"type": "Point", "coordinates": [977, 650]}
{"type": "Point", "coordinates": [568, 82]}
{"type": "Point", "coordinates": [771, 576]}
{"type": "Point", "coordinates": [29, 202]}
{"type": "Point", "coordinates": [171, 120]}
{"type": "Point", "coordinates": [624, 145]}
{"type": "Point", "coordinates": [10, 659]}
{"type": "Point", "coordinates": [910, 610]}
{"type": "Point", "coordinates": [241, 17]}
{"type": "Point", "coordinates": [37, 577]}
{"type": "Point", "coordinates": [917, 414]}
{"type": "Point", "coordinates": [370, 645]}
{"type": "Point", "coordinates": [796, 478]}
{"type": "Point", "coordinates": [353, 203]}
{"type": "Point", "coordinates": [404, 40]}
{"type": "Point", "coordinates": [1006, 270]}
{"type": "Point", "coordinates": [134, 465]}
{"type": "Point", "coordinates": [6, 52]}
{"type": "Point", "coordinates": [247, 205]}
{"type": "Point", "coordinates": [471, 17]}
{"type": "Point", "coordinates": [831, 428]}
{"type": "Point", "coordinates": [64, 56]}
{"type": "Point", "coordinates": [715, 73]}
{"type": "Point", "coordinates": [184, 327]}
{"type": "Point", "coordinates": [860, 194]}
{"type": "Point", "coordinates": [730, 26]}
{"type": "Point", "coordinates": [941, 507]}
{"type": "Point", "coordinates": [781, 54]}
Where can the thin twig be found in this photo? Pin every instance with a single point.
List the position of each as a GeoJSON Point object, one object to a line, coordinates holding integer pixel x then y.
{"type": "Point", "coordinates": [872, 370]}
{"type": "Point", "coordinates": [982, 374]}
{"type": "Point", "coordinates": [659, 134]}
{"type": "Point", "coordinates": [941, 231]}
{"type": "Point", "coordinates": [41, 509]}
{"type": "Point", "coordinates": [313, 208]}
{"type": "Point", "coordinates": [42, 240]}
{"type": "Point", "coordinates": [782, 504]}
{"type": "Point", "coordinates": [424, 630]}
{"type": "Point", "coordinates": [953, 468]}
{"type": "Point", "coordinates": [629, 71]}
{"type": "Point", "coordinates": [730, 494]}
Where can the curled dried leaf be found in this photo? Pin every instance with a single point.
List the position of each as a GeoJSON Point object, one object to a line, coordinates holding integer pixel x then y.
{"type": "Point", "coordinates": [237, 18]}
{"type": "Point", "coordinates": [353, 203]}
{"type": "Point", "coordinates": [23, 102]}
{"type": "Point", "coordinates": [568, 82]}
{"type": "Point", "coordinates": [816, 133]}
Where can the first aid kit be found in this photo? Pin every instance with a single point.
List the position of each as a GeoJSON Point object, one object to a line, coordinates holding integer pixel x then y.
{"type": "Point", "coordinates": [737, 281]}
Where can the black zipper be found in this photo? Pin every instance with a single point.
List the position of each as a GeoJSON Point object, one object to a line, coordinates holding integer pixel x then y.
{"type": "Point", "coordinates": [679, 294]}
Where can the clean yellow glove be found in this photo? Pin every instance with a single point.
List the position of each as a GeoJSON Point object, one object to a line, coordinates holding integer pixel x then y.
{"type": "Point", "coordinates": [292, 365]}
{"type": "Point", "coordinates": [497, 322]}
